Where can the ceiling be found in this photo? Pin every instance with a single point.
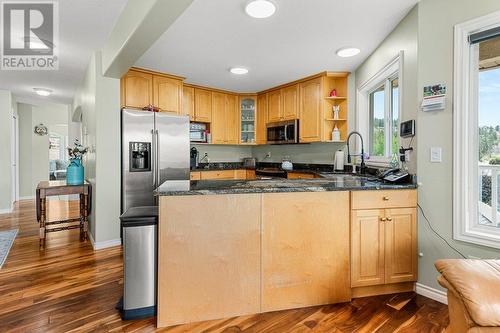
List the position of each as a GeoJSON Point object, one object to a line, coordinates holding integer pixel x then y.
{"type": "Point", "coordinates": [299, 40]}
{"type": "Point", "coordinates": [83, 28]}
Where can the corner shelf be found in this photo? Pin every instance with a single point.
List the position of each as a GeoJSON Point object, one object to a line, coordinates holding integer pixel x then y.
{"type": "Point", "coordinates": [336, 98]}
{"type": "Point", "coordinates": [331, 119]}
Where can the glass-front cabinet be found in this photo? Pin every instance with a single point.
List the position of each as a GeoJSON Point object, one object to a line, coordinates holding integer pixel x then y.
{"type": "Point", "coordinates": [247, 119]}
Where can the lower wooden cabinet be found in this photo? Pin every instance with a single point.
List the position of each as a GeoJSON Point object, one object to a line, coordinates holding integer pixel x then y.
{"type": "Point", "coordinates": [383, 241]}
{"type": "Point", "coordinates": [238, 174]}
{"type": "Point", "coordinates": [300, 175]}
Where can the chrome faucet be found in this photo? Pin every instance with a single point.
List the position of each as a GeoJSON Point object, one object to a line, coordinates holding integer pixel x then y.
{"type": "Point", "coordinates": [362, 166]}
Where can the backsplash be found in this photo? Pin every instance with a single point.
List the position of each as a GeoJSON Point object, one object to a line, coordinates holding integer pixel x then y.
{"type": "Point", "coordinates": [320, 153]}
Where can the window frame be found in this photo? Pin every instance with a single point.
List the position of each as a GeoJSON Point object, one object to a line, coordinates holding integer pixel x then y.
{"type": "Point", "coordinates": [466, 225]}
{"type": "Point", "coordinates": [392, 70]}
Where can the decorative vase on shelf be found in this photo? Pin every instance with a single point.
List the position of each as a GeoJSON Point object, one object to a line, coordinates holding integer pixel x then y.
{"type": "Point", "coordinates": [336, 111]}
{"type": "Point", "coordinates": [75, 172]}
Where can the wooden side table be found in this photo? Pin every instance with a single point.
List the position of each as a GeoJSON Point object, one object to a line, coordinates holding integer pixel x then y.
{"type": "Point", "coordinates": [59, 187]}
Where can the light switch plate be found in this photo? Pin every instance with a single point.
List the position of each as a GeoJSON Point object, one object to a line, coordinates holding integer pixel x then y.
{"type": "Point", "coordinates": [436, 155]}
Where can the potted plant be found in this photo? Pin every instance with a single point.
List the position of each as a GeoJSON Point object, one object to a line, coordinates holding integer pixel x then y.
{"type": "Point", "coordinates": [75, 170]}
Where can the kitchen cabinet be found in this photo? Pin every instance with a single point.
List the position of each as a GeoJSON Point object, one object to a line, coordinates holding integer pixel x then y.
{"type": "Point", "coordinates": [202, 105]}
{"type": "Point", "coordinates": [224, 124]}
{"type": "Point", "coordinates": [232, 119]}
{"type": "Point", "coordinates": [261, 133]}
{"type": "Point", "coordinates": [305, 249]}
{"type": "Point", "coordinates": [248, 119]}
{"type": "Point", "coordinates": [310, 111]}
{"type": "Point", "coordinates": [136, 89]}
{"type": "Point", "coordinates": [383, 239]}
{"type": "Point", "coordinates": [141, 88]}
{"type": "Point", "coordinates": [167, 94]}
{"type": "Point", "coordinates": [239, 174]}
{"type": "Point", "coordinates": [218, 124]}
{"type": "Point", "coordinates": [274, 106]}
{"type": "Point", "coordinates": [290, 100]}
{"type": "Point", "coordinates": [188, 102]}
{"type": "Point", "coordinates": [300, 175]}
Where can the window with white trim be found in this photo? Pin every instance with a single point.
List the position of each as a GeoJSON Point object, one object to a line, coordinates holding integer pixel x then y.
{"type": "Point", "coordinates": [476, 139]}
{"type": "Point", "coordinates": [378, 115]}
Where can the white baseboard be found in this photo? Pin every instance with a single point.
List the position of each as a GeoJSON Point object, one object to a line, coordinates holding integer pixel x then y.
{"type": "Point", "coordinates": [104, 244]}
{"type": "Point", "coordinates": [29, 197]}
{"type": "Point", "coordinates": [432, 293]}
{"type": "Point", "coordinates": [6, 211]}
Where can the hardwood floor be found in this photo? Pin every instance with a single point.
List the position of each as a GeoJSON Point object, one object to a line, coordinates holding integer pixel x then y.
{"type": "Point", "coordinates": [70, 288]}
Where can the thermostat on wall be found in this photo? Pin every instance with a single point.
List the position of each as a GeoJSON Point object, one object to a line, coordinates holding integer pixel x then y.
{"type": "Point", "coordinates": [407, 129]}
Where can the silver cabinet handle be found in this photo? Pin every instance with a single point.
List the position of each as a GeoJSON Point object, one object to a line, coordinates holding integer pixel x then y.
{"type": "Point", "coordinates": [157, 167]}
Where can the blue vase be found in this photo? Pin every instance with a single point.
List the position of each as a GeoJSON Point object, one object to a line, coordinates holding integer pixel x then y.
{"type": "Point", "coordinates": [74, 172]}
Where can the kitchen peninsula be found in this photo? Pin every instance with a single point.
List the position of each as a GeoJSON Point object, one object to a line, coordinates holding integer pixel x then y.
{"type": "Point", "coordinates": [236, 247]}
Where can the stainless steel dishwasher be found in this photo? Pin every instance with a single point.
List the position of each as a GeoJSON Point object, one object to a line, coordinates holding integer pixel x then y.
{"type": "Point", "coordinates": [139, 225]}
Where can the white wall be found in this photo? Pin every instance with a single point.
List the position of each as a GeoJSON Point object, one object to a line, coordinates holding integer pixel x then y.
{"type": "Point", "coordinates": [33, 148]}
{"type": "Point", "coordinates": [99, 99]}
{"type": "Point", "coordinates": [436, 19]}
{"type": "Point", "coordinates": [5, 151]}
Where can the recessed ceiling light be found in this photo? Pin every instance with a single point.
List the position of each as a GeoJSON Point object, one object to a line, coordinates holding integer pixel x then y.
{"type": "Point", "coordinates": [42, 91]}
{"type": "Point", "coordinates": [260, 8]}
{"type": "Point", "coordinates": [238, 70]}
{"type": "Point", "coordinates": [348, 52]}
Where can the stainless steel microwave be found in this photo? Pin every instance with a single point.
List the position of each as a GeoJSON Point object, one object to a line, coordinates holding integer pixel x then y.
{"type": "Point", "coordinates": [198, 132]}
{"type": "Point", "coordinates": [283, 132]}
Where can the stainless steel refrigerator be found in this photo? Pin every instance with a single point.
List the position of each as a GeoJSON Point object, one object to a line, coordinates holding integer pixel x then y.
{"type": "Point", "coordinates": [155, 148]}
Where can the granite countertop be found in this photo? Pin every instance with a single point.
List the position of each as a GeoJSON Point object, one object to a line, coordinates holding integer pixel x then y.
{"type": "Point", "coordinates": [329, 181]}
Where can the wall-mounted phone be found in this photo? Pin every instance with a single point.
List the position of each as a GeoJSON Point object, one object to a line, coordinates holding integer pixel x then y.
{"type": "Point", "coordinates": [395, 176]}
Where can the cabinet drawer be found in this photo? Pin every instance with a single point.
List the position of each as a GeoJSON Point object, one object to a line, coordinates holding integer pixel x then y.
{"type": "Point", "coordinates": [195, 175]}
{"type": "Point", "coordinates": [383, 199]}
{"type": "Point", "coordinates": [219, 174]}
{"type": "Point", "coordinates": [300, 175]}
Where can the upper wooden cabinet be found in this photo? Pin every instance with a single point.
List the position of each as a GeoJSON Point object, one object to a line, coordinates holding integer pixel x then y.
{"type": "Point", "coordinates": [274, 106]}
{"type": "Point", "coordinates": [188, 102]}
{"type": "Point", "coordinates": [167, 94]}
{"type": "Point", "coordinates": [203, 105]}
{"type": "Point", "coordinates": [310, 111]}
{"type": "Point", "coordinates": [261, 134]}
{"type": "Point", "coordinates": [290, 102]}
{"type": "Point", "coordinates": [232, 119]}
{"type": "Point", "coordinates": [140, 88]}
{"type": "Point", "coordinates": [136, 89]}
{"type": "Point", "coordinates": [224, 125]}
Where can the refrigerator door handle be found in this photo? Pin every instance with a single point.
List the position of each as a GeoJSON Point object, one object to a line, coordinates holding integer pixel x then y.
{"type": "Point", "coordinates": [153, 157]}
{"type": "Point", "coordinates": [157, 166]}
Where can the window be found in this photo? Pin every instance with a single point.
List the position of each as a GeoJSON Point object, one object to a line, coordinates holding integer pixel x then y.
{"type": "Point", "coordinates": [476, 141]}
{"type": "Point", "coordinates": [378, 112]}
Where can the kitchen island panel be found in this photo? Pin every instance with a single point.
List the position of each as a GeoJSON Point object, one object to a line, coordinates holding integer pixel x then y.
{"type": "Point", "coordinates": [209, 257]}
{"type": "Point", "coordinates": [305, 249]}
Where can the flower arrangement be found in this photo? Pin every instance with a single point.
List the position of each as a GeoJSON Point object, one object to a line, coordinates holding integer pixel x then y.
{"type": "Point", "coordinates": [77, 151]}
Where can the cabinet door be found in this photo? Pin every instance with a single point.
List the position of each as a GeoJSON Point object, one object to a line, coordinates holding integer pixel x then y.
{"type": "Point", "coordinates": [167, 94]}
{"type": "Point", "coordinates": [305, 249]}
{"type": "Point", "coordinates": [232, 119]}
{"type": "Point", "coordinates": [290, 101]}
{"type": "Point", "coordinates": [261, 119]}
{"type": "Point", "coordinates": [217, 174]}
{"type": "Point", "coordinates": [367, 247]}
{"type": "Point", "coordinates": [310, 111]}
{"type": "Point", "coordinates": [218, 124]}
{"type": "Point", "coordinates": [188, 102]}
{"type": "Point", "coordinates": [137, 89]}
{"type": "Point", "coordinates": [274, 106]}
{"type": "Point", "coordinates": [203, 105]}
{"type": "Point", "coordinates": [400, 245]}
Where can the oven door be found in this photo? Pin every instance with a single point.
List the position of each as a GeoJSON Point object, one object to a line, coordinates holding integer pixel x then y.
{"type": "Point", "coordinates": [282, 132]}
